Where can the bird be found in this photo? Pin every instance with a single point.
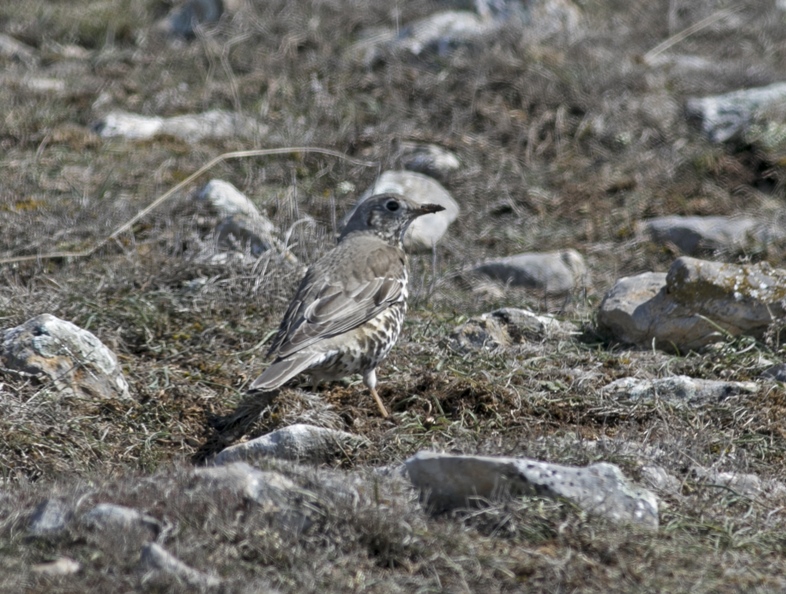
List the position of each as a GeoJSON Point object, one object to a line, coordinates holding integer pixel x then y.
{"type": "Point", "coordinates": [349, 308]}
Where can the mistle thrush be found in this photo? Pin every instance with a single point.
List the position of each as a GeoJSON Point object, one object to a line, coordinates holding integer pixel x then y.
{"type": "Point", "coordinates": [349, 308]}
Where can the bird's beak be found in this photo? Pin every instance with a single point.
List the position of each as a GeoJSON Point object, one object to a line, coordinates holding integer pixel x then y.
{"type": "Point", "coordinates": [429, 208]}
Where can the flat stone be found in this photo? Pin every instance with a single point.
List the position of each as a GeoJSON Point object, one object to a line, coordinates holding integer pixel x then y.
{"type": "Point", "coordinates": [184, 19]}
{"type": "Point", "coordinates": [302, 442]}
{"type": "Point", "coordinates": [271, 490]}
{"type": "Point", "coordinates": [679, 389]}
{"type": "Point", "coordinates": [555, 273]}
{"type": "Point", "coordinates": [724, 117]}
{"type": "Point", "coordinates": [694, 234]}
{"type": "Point", "coordinates": [776, 372]}
{"type": "Point", "coordinates": [449, 482]}
{"type": "Point", "coordinates": [108, 516]}
{"type": "Point", "coordinates": [189, 128]}
{"type": "Point", "coordinates": [427, 230]}
{"type": "Point", "coordinates": [50, 518]}
{"type": "Point", "coordinates": [243, 233]}
{"type": "Point", "coordinates": [60, 566]}
{"type": "Point", "coordinates": [508, 326]}
{"type": "Point", "coordinates": [72, 357]}
{"type": "Point", "coordinates": [428, 159]}
{"type": "Point", "coordinates": [225, 200]}
{"type": "Point", "coordinates": [159, 564]}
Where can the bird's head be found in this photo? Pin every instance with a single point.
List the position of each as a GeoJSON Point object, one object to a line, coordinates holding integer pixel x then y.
{"type": "Point", "coordinates": [387, 216]}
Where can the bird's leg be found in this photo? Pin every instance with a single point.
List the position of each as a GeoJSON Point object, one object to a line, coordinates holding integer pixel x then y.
{"type": "Point", "coordinates": [383, 411]}
{"type": "Point", "coordinates": [370, 379]}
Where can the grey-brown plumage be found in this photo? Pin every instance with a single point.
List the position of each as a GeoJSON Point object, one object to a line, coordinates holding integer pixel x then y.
{"type": "Point", "coordinates": [349, 308]}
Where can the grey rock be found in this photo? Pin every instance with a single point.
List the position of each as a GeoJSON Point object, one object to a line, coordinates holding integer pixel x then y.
{"type": "Point", "coordinates": [108, 516]}
{"type": "Point", "coordinates": [271, 490]}
{"type": "Point", "coordinates": [278, 497]}
{"type": "Point", "coordinates": [240, 232]}
{"type": "Point", "coordinates": [161, 566]}
{"type": "Point", "coordinates": [73, 358]}
{"type": "Point", "coordinates": [693, 234]}
{"type": "Point", "coordinates": [746, 484]}
{"type": "Point", "coordinates": [443, 31]}
{"type": "Point", "coordinates": [183, 20]}
{"type": "Point", "coordinates": [302, 442]}
{"type": "Point", "coordinates": [679, 389]}
{"type": "Point", "coordinates": [225, 200]}
{"type": "Point", "coordinates": [50, 518]}
{"type": "Point", "coordinates": [427, 230]}
{"type": "Point", "coordinates": [60, 566]}
{"type": "Point", "coordinates": [776, 372]}
{"type": "Point", "coordinates": [695, 304]}
{"type": "Point", "coordinates": [242, 227]}
{"type": "Point", "coordinates": [556, 273]}
{"type": "Point", "coordinates": [724, 117]}
{"type": "Point", "coordinates": [13, 48]}
{"type": "Point", "coordinates": [658, 478]}
{"type": "Point", "coordinates": [189, 128]}
{"type": "Point", "coordinates": [448, 482]}
{"type": "Point", "coordinates": [428, 159]}
{"type": "Point", "coordinates": [507, 326]}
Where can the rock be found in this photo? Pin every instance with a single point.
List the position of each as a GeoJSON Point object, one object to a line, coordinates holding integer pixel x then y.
{"type": "Point", "coordinates": [242, 228]}
{"type": "Point", "coordinates": [16, 50]}
{"type": "Point", "coordinates": [724, 117]}
{"type": "Point", "coordinates": [449, 482]}
{"type": "Point", "coordinates": [695, 304]}
{"type": "Point", "coordinates": [748, 485]}
{"type": "Point", "coordinates": [183, 20]}
{"type": "Point", "coordinates": [442, 32]}
{"type": "Point", "coordinates": [776, 372]}
{"type": "Point", "coordinates": [271, 490]}
{"type": "Point", "coordinates": [240, 232]}
{"type": "Point", "coordinates": [305, 443]}
{"type": "Point", "coordinates": [60, 566]}
{"type": "Point", "coordinates": [50, 518]}
{"type": "Point", "coordinates": [679, 389]}
{"type": "Point", "coordinates": [428, 159]}
{"type": "Point", "coordinates": [659, 479]}
{"type": "Point", "coordinates": [225, 200]}
{"type": "Point", "coordinates": [160, 565]}
{"type": "Point", "coordinates": [73, 358]}
{"type": "Point", "coordinates": [694, 234]}
{"type": "Point", "coordinates": [483, 332]}
{"type": "Point", "coordinates": [556, 273]}
{"type": "Point", "coordinates": [427, 230]}
{"type": "Point", "coordinates": [189, 128]}
{"type": "Point", "coordinates": [508, 326]}
{"type": "Point", "coordinates": [108, 516]}
{"type": "Point", "coordinates": [277, 496]}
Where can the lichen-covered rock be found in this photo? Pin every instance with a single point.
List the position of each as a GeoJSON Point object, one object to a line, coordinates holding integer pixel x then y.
{"type": "Point", "coordinates": [697, 303]}
{"type": "Point", "coordinates": [301, 442]}
{"type": "Point", "coordinates": [724, 117]}
{"type": "Point", "coordinates": [508, 326]}
{"type": "Point", "coordinates": [448, 482]}
{"type": "Point", "coordinates": [70, 356]}
{"type": "Point", "coordinates": [678, 389]}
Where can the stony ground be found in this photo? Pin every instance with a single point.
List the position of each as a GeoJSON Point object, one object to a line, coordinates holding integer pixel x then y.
{"type": "Point", "coordinates": [565, 142]}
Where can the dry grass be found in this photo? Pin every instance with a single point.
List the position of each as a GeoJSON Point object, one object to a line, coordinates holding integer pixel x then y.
{"type": "Point", "coordinates": [562, 145]}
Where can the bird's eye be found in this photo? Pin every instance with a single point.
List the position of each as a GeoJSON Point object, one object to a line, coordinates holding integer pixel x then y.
{"type": "Point", "coordinates": [392, 205]}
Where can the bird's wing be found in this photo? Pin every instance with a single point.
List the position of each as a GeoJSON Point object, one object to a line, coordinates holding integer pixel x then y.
{"type": "Point", "coordinates": [325, 305]}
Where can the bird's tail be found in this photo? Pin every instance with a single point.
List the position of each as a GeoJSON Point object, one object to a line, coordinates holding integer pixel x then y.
{"type": "Point", "coordinates": [282, 371]}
